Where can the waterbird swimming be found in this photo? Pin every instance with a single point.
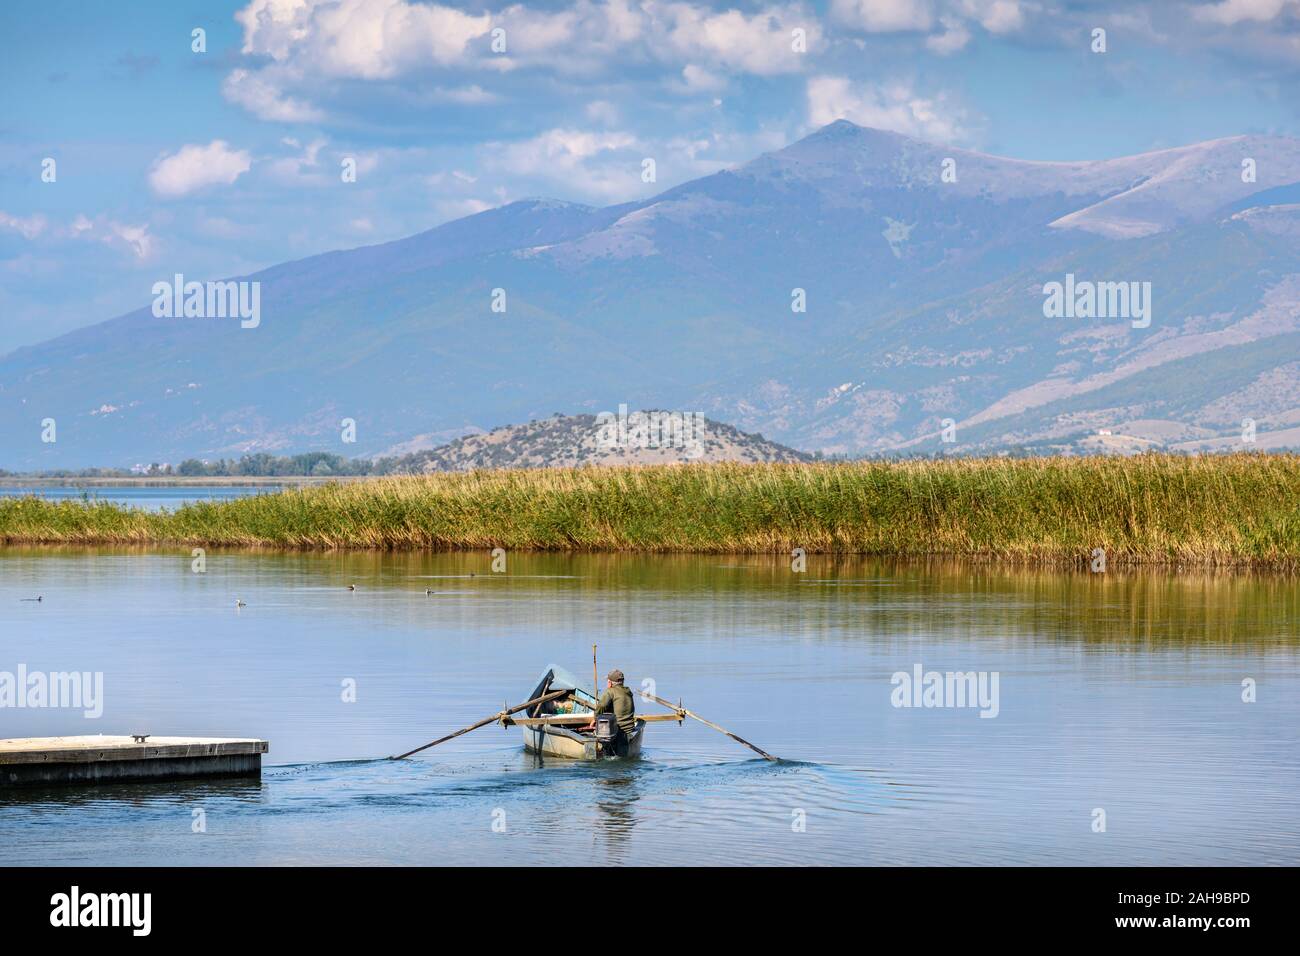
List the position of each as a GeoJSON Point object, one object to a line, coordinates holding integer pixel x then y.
{"type": "Point", "coordinates": [38, 597]}
{"type": "Point", "coordinates": [239, 603]}
{"type": "Point", "coordinates": [352, 587]}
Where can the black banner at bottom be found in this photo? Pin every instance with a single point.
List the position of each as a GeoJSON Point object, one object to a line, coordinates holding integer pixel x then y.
{"type": "Point", "coordinates": [330, 906]}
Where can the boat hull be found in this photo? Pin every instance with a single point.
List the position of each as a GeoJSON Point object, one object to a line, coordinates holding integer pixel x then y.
{"type": "Point", "coordinates": [562, 742]}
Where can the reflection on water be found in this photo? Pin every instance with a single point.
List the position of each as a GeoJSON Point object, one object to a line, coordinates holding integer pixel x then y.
{"type": "Point", "coordinates": [1121, 692]}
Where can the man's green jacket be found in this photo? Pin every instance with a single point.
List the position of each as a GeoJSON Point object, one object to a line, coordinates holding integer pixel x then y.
{"type": "Point", "coordinates": [619, 700]}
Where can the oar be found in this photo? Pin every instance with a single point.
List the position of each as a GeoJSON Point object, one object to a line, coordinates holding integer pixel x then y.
{"type": "Point", "coordinates": [722, 730]}
{"type": "Point", "coordinates": [485, 721]}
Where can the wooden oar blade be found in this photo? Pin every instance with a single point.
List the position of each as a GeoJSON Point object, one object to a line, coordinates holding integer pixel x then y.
{"type": "Point", "coordinates": [708, 723]}
{"type": "Point", "coordinates": [553, 695]}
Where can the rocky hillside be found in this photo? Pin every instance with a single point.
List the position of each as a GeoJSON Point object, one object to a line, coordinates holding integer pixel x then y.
{"type": "Point", "coordinates": [638, 438]}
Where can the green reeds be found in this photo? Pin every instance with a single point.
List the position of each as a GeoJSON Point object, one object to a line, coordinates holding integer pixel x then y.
{"type": "Point", "coordinates": [1241, 509]}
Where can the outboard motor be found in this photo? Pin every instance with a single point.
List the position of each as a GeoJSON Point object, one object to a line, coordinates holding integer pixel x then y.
{"type": "Point", "coordinates": [607, 731]}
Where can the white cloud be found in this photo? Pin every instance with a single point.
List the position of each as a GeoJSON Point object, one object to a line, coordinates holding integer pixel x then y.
{"type": "Point", "coordinates": [301, 168]}
{"type": "Point", "coordinates": [996, 16]}
{"type": "Point", "coordinates": [558, 150]}
{"type": "Point", "coordinates": [698, 79]}
{"type": "Point", "coordinates": [605, 166]}
{"type": "Point", "coordinates": [601, 166]}
{"type": "Point", "coordinates": [761, 43]}
{"type": "Point", "coordinates": [883, 16]}
{"type": "Point", "coordinates": [273, 27]}
{"type": "Point", "coordinates": [261, 94]}
{"type": "Point", "coordinates": [955, 16]}
{"type": "Point", "coordinates": [315, 45]}
{"type": "Point", "coordinates": [361, 39]}
{"type": "Point", "coordinates": [194, 167]}
{"type": "Point", "coordinates": [1229, 12]}
{"type": "Point", "coordinates": [890, 106]}
{"type": "Point", "coordinates": [955, 36]}
{"type": "Point", "coordinates": [28, 227]}
{"type": "Point", "coordinates": [133, 239]}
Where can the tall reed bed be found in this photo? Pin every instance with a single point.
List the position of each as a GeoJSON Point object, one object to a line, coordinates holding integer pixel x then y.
{"type": "Point", "coordinates": [1151, 509]}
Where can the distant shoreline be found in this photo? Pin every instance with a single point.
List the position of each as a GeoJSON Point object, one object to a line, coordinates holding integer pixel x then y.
{"type": "Point", "coordinates": [1214, 511]}
{"type": "Point", "coordinates": [227, 481]}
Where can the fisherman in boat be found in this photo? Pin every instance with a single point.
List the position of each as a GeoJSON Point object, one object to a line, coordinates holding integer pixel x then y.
{"type": "Point", "coordinates": [617, 700]}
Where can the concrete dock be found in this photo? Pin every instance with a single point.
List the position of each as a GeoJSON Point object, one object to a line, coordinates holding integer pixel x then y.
{"type": "Point", "coordinates": [51, 761]}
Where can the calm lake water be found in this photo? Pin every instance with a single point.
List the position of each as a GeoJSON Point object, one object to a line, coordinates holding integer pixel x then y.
{"type": "Point", "coordinates": [1120, 693]}
{"type": "Point", "coordinates": [148, 497]}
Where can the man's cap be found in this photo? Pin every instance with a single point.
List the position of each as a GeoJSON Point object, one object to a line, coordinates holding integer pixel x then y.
{"type": "Point", "coordinates": [615, 675]}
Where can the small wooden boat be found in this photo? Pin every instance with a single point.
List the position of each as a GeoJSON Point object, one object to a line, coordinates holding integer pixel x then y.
{"type": "Point", "coordinates": [558, 728]}
{"type": "Point", "coordinates": [558, 719]}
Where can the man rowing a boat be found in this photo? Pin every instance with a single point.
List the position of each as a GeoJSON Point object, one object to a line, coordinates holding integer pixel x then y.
{"type": "Point", "coordinates": [617, 700]}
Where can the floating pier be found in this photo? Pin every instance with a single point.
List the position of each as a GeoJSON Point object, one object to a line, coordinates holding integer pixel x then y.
{"type": "Point", "coordinates": [51, 761]}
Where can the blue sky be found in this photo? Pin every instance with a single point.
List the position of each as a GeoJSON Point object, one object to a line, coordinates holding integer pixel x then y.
{"type": "Point", "coordinates": [225, 161]}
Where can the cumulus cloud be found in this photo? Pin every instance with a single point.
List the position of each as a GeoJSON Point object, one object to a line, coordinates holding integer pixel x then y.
{"type": "Point", "coordinates": [760, 44]}
{"type": "Point", "coordinates": [595, 166]}
{"type": "Point", "coordinates": [920, 16]}
{"type": "Point", "coordinates": [566, 155]}
{"type": "Point", "coordinates": [605, 166]}
{"type": "Point", "coordinates": [262, 94]}
{"type": "Point", "coordinates": [891, 106]}
{"type": "Point", "coordinates": [28, 227]}
{"type": "Point", "coordinates": [363, 39]}
{"type": "Point", "coordinates": [882, 16]}
{"type": "Point", "coordinates": [954, 37]}
{"type": "Point", "coordinates": [308, 47]}
{"type": "Point", "coordinates": [1230, 12]}
{"type": "Point", "coordinates": [672, 34]}
{"type": "Point", "coordinates": [136, 240]}
{"type": "Point", "coordinates": [194, 167]}
{"type": "Point", "coordinates": [304, 167]}
{"type": "Point", "coordinates": [696, 79]}
{"type": "Point", "coordinates": [996, 16]}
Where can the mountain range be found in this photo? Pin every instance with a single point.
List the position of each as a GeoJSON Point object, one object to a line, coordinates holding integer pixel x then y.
{"type": "Point", "coordinates": [921, 269]}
